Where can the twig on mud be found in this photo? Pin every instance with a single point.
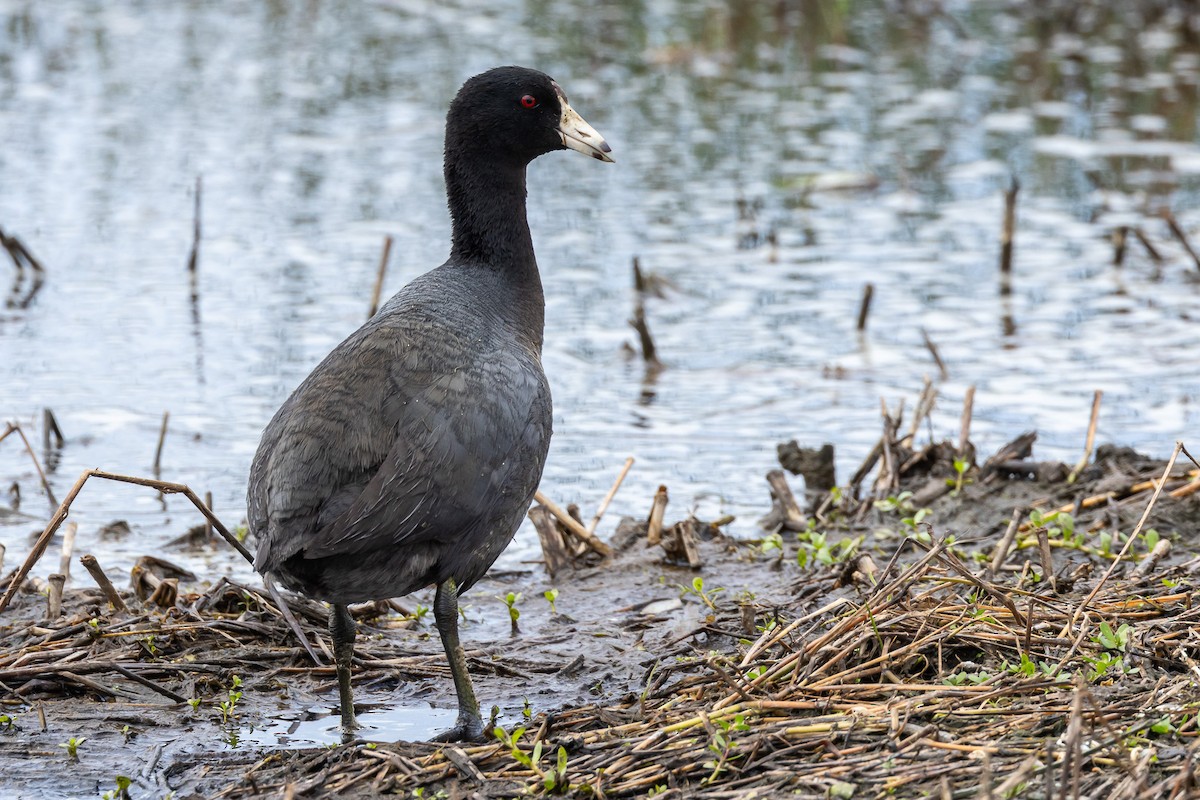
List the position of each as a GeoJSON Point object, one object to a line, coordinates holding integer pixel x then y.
{"type": "Point", "coordinates": [1133, 537]}
{"type": "Point", "coordinates": [654, 524]}
{"type": "Point", "coordinates": [964, 430]}
{"type": "Point", "coordinates": [573, 525]}
{"type": "Point", "coordinates": [110, 592]}
{"type": "Point", "coordinates": [68, 548]}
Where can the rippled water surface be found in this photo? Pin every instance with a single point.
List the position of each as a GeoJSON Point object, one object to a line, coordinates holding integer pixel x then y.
{"type": "Point", "coordinates": [771, 160]}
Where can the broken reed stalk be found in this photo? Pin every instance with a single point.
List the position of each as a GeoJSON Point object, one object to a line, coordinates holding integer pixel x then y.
{"type": "Point", "coordinates": [50, 429]}
{"type": "Point", "coordinates": [864, 306]}
{"type": "Point", "coordinates": [654, 525]}
{"type": "Point", "coordinates": [54, 597]}
{"type": "Point", "coordinates": [1000, 554]}
{"type": "Point", "coordinates": [1173, 224]}
{"type": "Point", "coordinates": [573, 525]}
{"type": "Point", "coordinates": [554, 548]}
{"type": "Point", "coordinates": [1120, 239]}
{"type": "Point", "coordinates": [68, 547]}
{"type": "Point", "coordinates": [97, 572]}
{"type": "Point", "coordinates": [608, 498]}
{"type": "Point", "coordinates": [937, 357]}
{"type": "Point", "coordinates": [162, 436]}
{"type": "Point", "coordinates": [1151, 250]}
{"type": "Point", "coordinates": [639, 281]}
{"type": "Point", "coordinates": [194, 255]}
{"type": "Point", "coordinates": [208, 528]}
{"type": "Point", "coordinates": [964, 430]}
{"type": "Point", "coordinates": [1133, 537]}
{"type": "Point", "coordinates": [377, 292]}
{"type": "Point", "coordinates": [10, 428]}
{"type": "Point", "coordinates": [793, 517]}
{"type": "Point", "coordinates": [1091, 437]}
{"type": "Point", "coordinates": [166, 487]}
{"type": "Point", "coordinates": [649, 352]}
{"type": "Point", "coordinates": [1007, 234]}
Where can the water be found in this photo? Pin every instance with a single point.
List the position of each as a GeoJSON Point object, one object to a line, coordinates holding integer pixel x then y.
{"type": "Point", "coordinates": [317, 130]}
{"type": "Point", "coordinates": [318, 726]}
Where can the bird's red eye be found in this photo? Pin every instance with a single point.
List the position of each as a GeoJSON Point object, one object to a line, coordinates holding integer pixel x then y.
{"type": "Point", "coordinates": [529, 101]}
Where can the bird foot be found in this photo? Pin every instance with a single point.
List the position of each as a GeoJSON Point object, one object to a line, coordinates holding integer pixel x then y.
{"type": "Point", "coordinates": [468, 729]}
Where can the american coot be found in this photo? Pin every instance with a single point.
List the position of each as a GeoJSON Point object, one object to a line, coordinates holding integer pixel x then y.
{"type": "Point", "coordinates": [410, 454]}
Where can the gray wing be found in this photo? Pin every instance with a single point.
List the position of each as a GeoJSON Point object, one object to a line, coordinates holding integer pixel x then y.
{"type": "Point", "coordinates": [386, 445]}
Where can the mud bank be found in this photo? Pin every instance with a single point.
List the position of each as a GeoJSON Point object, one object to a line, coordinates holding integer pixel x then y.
{"type": "Point", "coordinates": [914, 637]}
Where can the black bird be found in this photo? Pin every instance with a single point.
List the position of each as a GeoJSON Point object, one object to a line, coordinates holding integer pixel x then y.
{"type": "Point", "coordinates": [411, 453]}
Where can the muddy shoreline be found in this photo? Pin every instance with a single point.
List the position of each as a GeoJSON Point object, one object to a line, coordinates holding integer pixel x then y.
{"type": "Point", "coordinates": [632, 671]}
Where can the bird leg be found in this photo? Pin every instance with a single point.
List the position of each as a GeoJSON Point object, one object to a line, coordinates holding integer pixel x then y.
{"type": "Point", "coordinates": [342, 630]}
{"type": "Point", "coordinates": [469, 726]}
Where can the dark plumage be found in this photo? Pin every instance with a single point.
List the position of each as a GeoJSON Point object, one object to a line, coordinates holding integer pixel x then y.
{"type": "Point", "coordinates": [410, 454]}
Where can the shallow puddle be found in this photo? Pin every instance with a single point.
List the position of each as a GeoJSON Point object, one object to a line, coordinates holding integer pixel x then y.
{"type": "Point", "coordinates": [320, 726]}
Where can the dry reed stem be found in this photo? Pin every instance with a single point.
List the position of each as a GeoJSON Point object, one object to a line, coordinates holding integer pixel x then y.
{"type": "Point", "coordinates": [608, 498]}
{"type": "Point", "coordinates": [377, 291]}
{"type": "Point", "coordinates": [166, 487]}
{"type": "Point", "coordinates": [573, 525]}
{"type": "Point", "coordinates": [1091, 438]}
{"type": "Point", "coordinates": [11, 428]}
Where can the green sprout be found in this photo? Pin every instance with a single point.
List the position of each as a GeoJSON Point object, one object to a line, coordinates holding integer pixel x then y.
{"type": "Point", "coordinates": [511, 599]}
{"type": "Point", "coordinates": [228, 707]}
{"type": "Point", "coordinates": [707, 596]}
{"type": "Point", "coordinates": [551, 595]}
{"type": "Point", "coordinates": [122, 790]}
{"type": "Point", "coordinates": [72, 747]}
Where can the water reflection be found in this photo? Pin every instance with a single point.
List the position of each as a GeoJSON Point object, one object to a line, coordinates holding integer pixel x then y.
{"type": "Point", "coordinates": [773, 158]}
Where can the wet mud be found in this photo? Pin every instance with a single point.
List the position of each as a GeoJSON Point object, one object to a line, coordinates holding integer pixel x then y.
{"type": "Point", "coordinates": [211, 695]}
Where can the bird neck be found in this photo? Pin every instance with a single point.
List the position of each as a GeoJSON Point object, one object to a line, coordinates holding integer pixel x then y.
{"type": "Point", "coordinates": [491, 233]}
{"type": "Point", "coordinates": [487, 207]}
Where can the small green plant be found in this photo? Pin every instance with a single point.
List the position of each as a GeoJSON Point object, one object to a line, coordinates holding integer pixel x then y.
{"type": "Point", "coordinates": [241, 532]}
{"type": "Point", "coordinates": [963, 678]}
{"type": "Point", "coordinates": [706, 596]}
{"type": "Point", "coordinates": [419, 614]}
{"type": "Point", "coordinates": [122, 790]}
{"type": "Point", "coordinates": [526, 709]}
{"type": "Point", "coordinates": [815, 548]}
{"type": "Point", "coordinates": [961, 465]}
{"type": "Point", "coordinates": [551, 595]}
{"type": "Point", "coordinates": [72, 747]}
{"type": "Point", "coordinates": [903, 504]}
{"type": "Point", "coordinates": [656, 789]}
{"type": "Point", "coordinates": [771, 542]}
{"type": "Point", "coordinates": [1028, 668]}
{"type": "Point", "coordinates": [8, 723]}
{"type": "Point", "coordinates": [194, 703]}
{"type": "Point", "coordinates": [1151, 538]}
{"type": "Point", "coordinates": [510, 600]}
{"type": "Point", "coordinates": [228, 707]}
{"type": "Point", "coordinates": [554, 780]}
{"type": "Point", "coordinates": [722, 744]}
{"type": "Point", "coordinates": [1116, 641]}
